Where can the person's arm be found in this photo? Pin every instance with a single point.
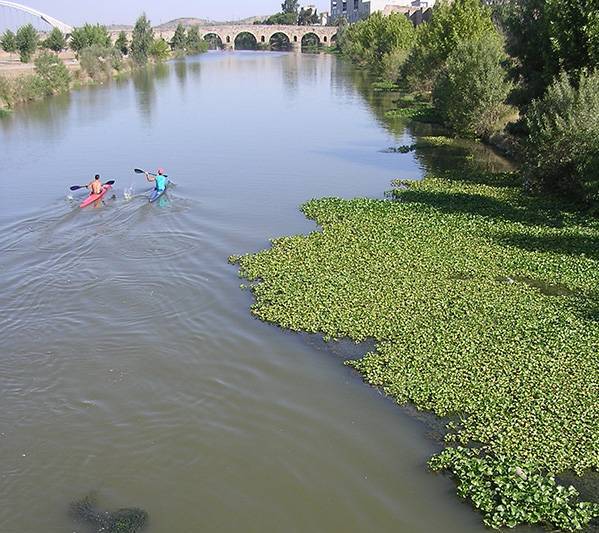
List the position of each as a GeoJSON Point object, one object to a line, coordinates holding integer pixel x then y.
{"type": "Point", "coordinates": [149, 177]}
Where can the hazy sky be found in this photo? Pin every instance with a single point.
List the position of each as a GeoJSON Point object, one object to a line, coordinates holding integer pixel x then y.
{"type": "Point", "coordinates": [75, 12]}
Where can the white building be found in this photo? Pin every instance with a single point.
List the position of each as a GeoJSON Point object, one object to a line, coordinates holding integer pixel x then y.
{"type": "Point", "coordinates": [354, 10]}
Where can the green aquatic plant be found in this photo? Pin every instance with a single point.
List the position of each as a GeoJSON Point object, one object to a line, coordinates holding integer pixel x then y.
{"type": "Point", "coordinates": [417, 111]}
{"type": "Point", "coordinates": [384, 87]}
{"type": "Point", "coordinates": [449, 282]}
{"type": "Point", "coordinates": [121, 521]}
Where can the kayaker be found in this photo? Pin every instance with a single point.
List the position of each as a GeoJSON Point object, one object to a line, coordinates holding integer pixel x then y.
{"type": "Point", "coordinates": [95, 187]}
{"type": "Point", "coordinates": [160, 179]}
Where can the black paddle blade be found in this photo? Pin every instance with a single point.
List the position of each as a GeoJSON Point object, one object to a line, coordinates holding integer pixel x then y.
{"type": "Point", "coordinates": [111, 182]}
{"type": "Point", "coordinates": [77, 187]}
{"type": "Point", "coordinates": [139, 171]}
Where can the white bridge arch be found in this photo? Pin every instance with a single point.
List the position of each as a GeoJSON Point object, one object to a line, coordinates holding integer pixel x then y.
{"type": "Point", "coordinates": [55, 23]}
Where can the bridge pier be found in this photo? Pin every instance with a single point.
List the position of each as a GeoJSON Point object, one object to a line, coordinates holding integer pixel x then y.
{"type": "Point", "coordinates": [296, 46]}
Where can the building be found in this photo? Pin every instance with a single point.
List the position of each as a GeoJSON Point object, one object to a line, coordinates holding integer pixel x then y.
{"type": "Point", "coordinates": [354, 10]}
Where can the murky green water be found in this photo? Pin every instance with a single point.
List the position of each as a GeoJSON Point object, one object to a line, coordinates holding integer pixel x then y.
{"type": "Point", "coordinates": [129, 362]}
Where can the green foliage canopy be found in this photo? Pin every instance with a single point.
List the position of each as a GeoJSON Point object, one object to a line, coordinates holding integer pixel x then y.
{"type": "Point", "coordinates": [89, 35]}
{"type": "Point", "coordinates": [53, 72]}
{"type": "Point", "coordinates": [142, 40]}
{"type": "Point", "coordinates": [8, 42]}
{"type": "Point", "coordinates": [27, 41]}
{"type": "Point", "coordinates": [56, 41]}
{"type": "Point", "coordinates": [470, 93]}
{"type": "Point", "coordinates": [178, 42]}
{"type": "Point", "coordinates": [122, 43]}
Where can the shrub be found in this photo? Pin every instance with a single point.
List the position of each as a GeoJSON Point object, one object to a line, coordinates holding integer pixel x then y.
{"type": "Point", "coordinates": [562, 148]}
{"type": "Point", "coordinates": [29, 87]}
{"type": "Point", "coordinates": [160, 50]}
{"type": "Point", "coordinates": [26, 41]}
{"type": "Point", "coordinates": [98, 62]}
{"type": "Point", "coordinates": [393, 63]}
{"type": "Point", "coordinates": [6, 92]}
{"type": "Point", "coordinates": [194, 44]}
{"type": "Point", "coordinates": [53, 72]}
{"type": "Point", "coordinates": [179, 38]}
{"type": "Point", "coordinates": [122, 44]}
{"type": "Point", "coordinates": [470, 93]}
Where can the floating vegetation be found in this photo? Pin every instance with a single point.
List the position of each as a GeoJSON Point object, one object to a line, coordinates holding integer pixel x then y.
{"type": "Point", "coordinates": [427, 278]}
{"type": "Point", "coordinates": [122, 521]}
{"type": "Point", "coordinates": [385, 87]}
{"type": "Point", "coordinates": [418, 111]}
{"type": "Point", "coordinates": [404, 149]}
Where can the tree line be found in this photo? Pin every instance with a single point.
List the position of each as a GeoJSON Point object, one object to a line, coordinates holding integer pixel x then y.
{"type": "Point", "coordinates": [98, 56]}
{"type": "Point", "coordinates": [526, 69]}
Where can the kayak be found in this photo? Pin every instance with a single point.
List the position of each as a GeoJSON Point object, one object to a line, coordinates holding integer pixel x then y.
{"type": "Point", "coordinates": [156, 194]}
{"type": "Point", "coordinates": [95, 197]}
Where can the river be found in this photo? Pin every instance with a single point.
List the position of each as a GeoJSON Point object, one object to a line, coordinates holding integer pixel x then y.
{"type": "Point", "coordinates": [130, 365]}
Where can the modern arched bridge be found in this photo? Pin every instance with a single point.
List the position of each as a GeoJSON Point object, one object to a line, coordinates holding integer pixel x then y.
{"type": "Point", "coordinates": [262, 33]}
{"type": "Point", "coordinates": [55, 23]}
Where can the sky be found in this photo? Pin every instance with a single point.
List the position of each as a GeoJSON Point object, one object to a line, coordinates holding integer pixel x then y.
{"type": "Point", "coordinates": [76, 12]}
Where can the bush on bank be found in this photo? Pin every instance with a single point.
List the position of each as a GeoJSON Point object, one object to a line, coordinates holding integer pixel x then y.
{"type": "Point", "coordinates": [470, 92]}
{"type": "Point", "coordinates": [562, 148]}
{"type": "Point", "coordinates": [482, 301]}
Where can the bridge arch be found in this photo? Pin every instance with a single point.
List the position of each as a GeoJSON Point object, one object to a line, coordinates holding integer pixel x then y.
{"type": "Point", "coordinates": [245, 40]}
{"type": "Point", "coordinates": [55, 23]}
{"type": "Point", "coordinates": [310, 40]}
{"type": "Point", "coordinates": [215, 41]}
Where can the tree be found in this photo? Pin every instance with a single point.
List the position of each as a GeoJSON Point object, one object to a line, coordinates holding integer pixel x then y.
{"type": "Point", "coordinates": [89, 35]}
{"type": "Point", "coordinates": [143, 38]}
{"type": "Point", "coordinates": [308, 17]}
{"type": "Point", "coordinates": [8, 42]}
{"type": "Point", "coordinates": [122, 43]}
{"type": "Point", "coordinates": [178, 41]}
{"type": "Point", "coordinates": [282, 19]}
{"type": "Point", "coordinates": [160, 50]}
{"type": "Point", "coordinates": [26, 41]}
{"type": "Point", "coordinates": [471, 91]}
{"type": "Point", "coordinates": [56, 41]}
{"type": "Point", "coordinates": [290, 6]}
{"type": "Point", "coordinates": [53, 72]}
{"type": "Point", "coordinates": [451, 24]}
{"type": "Point", "coordinates": [370, 41]}
{"type": "Point", "coordinates": [194, 43]}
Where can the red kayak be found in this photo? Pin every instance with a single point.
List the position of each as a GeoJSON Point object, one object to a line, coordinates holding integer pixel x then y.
{"type": "Point", "coordinates": [95, 197]}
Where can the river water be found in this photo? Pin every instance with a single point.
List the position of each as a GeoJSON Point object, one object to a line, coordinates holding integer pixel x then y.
{"type": "Point", "coordinates": [130, 365]}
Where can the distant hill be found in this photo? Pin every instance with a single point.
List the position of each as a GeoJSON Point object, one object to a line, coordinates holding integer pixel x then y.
{"type": "Point", "coordinates": [190, 21]}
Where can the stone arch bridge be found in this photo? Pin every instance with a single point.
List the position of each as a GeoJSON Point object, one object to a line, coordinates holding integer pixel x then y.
{"type": "Point", "coordinates": [262, 33]}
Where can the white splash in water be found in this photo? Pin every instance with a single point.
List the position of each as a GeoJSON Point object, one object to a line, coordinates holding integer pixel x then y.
{"type": "Point", "coordinates": [128, 193]}
{"type": "Point", "coordinates": [70, 197]}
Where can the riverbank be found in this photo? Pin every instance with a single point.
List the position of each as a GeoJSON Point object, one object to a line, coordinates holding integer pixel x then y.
{"type": "Point", "coordinates": [483, 303]}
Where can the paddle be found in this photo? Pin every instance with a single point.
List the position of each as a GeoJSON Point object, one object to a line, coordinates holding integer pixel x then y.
{"type": "Point", "coordinates": [77, 187]}
{"type": "Point", "coordinates": [140, 171]}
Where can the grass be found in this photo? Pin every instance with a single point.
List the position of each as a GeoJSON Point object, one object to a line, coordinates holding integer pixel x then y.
{"type": "Point", "coordinates": [455, 280]}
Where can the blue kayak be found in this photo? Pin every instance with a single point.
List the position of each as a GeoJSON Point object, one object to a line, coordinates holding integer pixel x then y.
{"type": "Point", "coordinates": [156, 194]}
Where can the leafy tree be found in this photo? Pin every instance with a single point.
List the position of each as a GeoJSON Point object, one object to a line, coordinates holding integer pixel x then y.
{"type": "Point", "coordinates": [451, 24]}
{"type": "Point", "coordinates": [548, 36]}
{"type": "Point", "coordinates": [98, 62]}
{"type": "Point", "coordinates": [471, 92]}
{"type": "Point", "coordinates": [562, 148]}
{"type": "Point", "coordinates": [122, 43]}
{"type": "Point", "coordinates": [89, 35]}
{"type": "Point", "coordinates": [194, 43]}
{"type": "Point", "coordinates": [282, 19]}
{"type": "Point", "coordinates": [143, 38]}
{"type": "Point", "coordinates": [160, 50]}
{"type": "Point", "coordinates": [53, 72]}
{"type": "Point", "coordinates": [307, 17]}
{"type": "Point", "coordinates": [178, 42]}
{"type": "Point", "coordinates": [27, 42]}
{"type": "Point", "coordinates": [290, 6]}
{"type": "Point", "coordinates": [8, 42]}
{"type": "Point", "coordinates": [370, 40]}
{"type": "Point", "coordinates": [56, 41]}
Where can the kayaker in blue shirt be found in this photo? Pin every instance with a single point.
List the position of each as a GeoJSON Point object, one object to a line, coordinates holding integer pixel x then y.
{"type": "Point", "coordinates": [160, 179]}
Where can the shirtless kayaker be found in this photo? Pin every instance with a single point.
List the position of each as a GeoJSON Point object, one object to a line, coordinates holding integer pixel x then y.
{"type": "Point", "coordinates": [95, 186]}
